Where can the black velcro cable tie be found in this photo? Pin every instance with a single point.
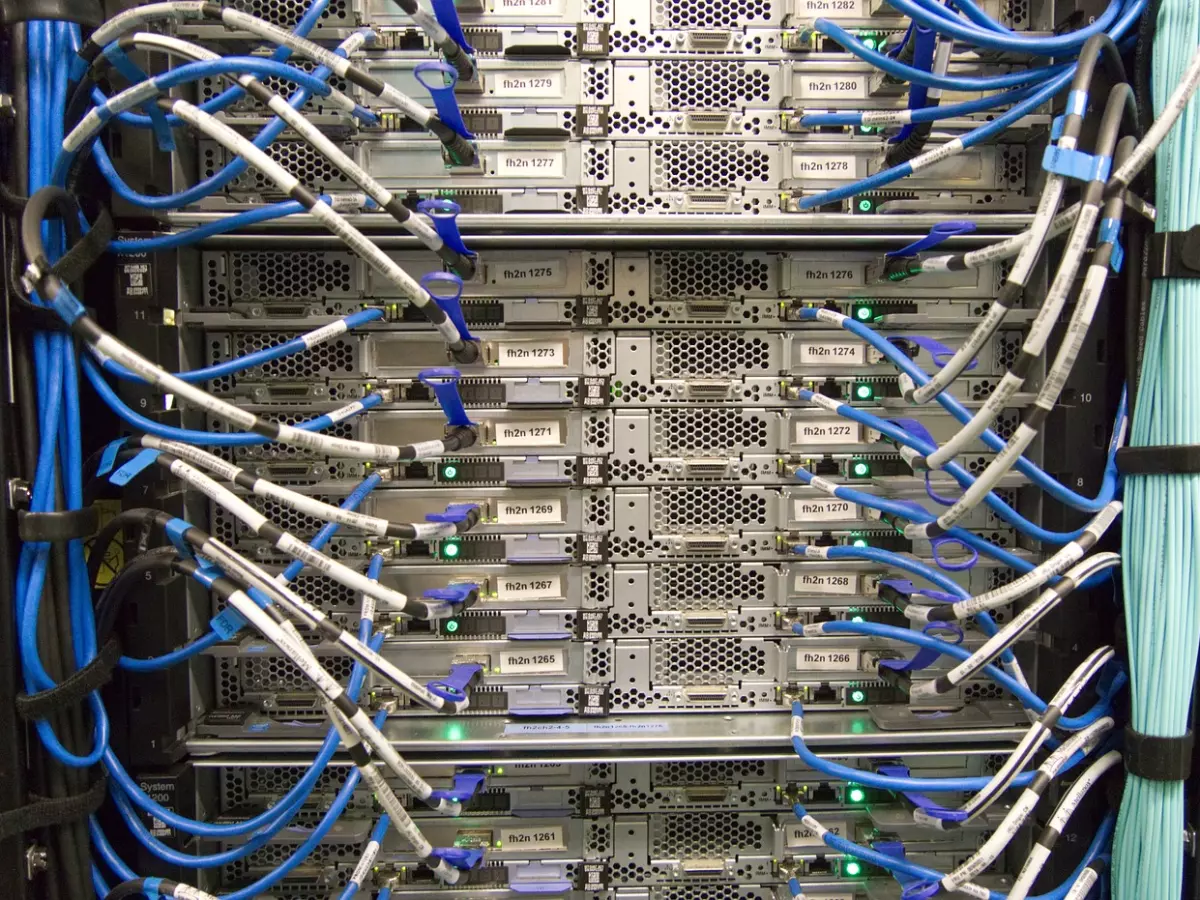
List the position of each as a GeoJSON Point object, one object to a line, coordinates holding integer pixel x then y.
{"type": "Point", "coordinates": [44, 812]}
{"type": "Point", "coordinates": [74, 687]}
{"type": "Point", "coordinates": [87, 250]}
{"type": "Point", "coordinates": [1175, 254]}
{"type": "Point", "coordinates": [1158, 758]}
{"type": "Point", "coordinates": [1166, 459]}
{"type": "Point", "coordinates": [52, 527]}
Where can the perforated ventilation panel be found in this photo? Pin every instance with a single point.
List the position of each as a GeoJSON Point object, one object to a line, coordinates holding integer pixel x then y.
{"type": "Point", "coordinates": [706, 660]}
{"type": "Point", "coordinates": [302, 275]}
{"type": "Point", "coordinates": [714, 834]}
{"type": "Point", "coordinates": [679, 432]}
{"type": "Point", "coordinates": [706, 165]}
{"type": "Point", "coordinates": [597, 274]}
{"type": "Point", "coordinates": [711, 892]}
{"type": "Point", "coordinates": [706, 14]}
{"type": "Point", "coordinates": [708, 353]}
{"type": "Point", "coordinates": [288, 12]}
{"type": "Point", "coordinates": [709, 275]}
{"type": "Point", "coordinates": [300, 159]}
{"type": "Point", "coordinates": [331, 359]}
{"type": "Point", "coordinates": [253, 674]}
{"type": "Point", "coordinates": [679, 510]}
{"type": "Point", "coordinates": [706, 586]}
{"type": "Point", "coordinates": [715, 771]}
{"type": "Point", "coordinates": [709, 84]}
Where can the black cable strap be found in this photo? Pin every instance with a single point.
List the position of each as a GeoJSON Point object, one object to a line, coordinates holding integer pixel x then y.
{"type": "Point", "coordinates": [74, 688]}
{"type": "Point", "coordinates": [1167, 459]}
{"type": "Point", "coordinates": [53, 527]}
{"type": "Point", "coordinates": [1175, 254]}
{"type": "Point", "coordinates": [93, 245]}
{"type": "Point", "coordinates": [1158, 758]}
{"type": "Point", "coordinates": [44, 812]}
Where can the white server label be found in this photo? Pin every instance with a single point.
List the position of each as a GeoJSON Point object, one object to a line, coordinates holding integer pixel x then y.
{"type": "Point", "coordinates": [530, 164]}
{"type": "Point", "coordinates": [527, 84]}
{"type": "Point", "coordinates": [823, 166]}
{"type": "Point", "coordinates": [828, 431]}
{"type": "Point", "coordinates": [534, 661]}
{"type": "Point", "coordinates": [825, 583]}
{"type": "Point", "coordinates": [528, 434]}
{"type": "Point", "coordinates": [849, 8]}
{"type": "Point", "coordinates": [531, 354]}
{"type": "Point", "coordinates": [832, 510]}
{"type": "Point", "coordinates": [827, 660]}
{"type": "Point", "coordinates": [525, 7]}
{"type": "Point", "coordinates": [834, 84]}
{"type": "Point", "coordinates": [528, 512]}
{"type": "Point", "coordinates": [544, 837]}
{"type": "Point", "coordinates": [824, 274]}
{"type": "Point", "coordinates": [544, 273]}
{"type": "Point", "coordinates": [798, 835]}
{"type": "Point", "coordinates": [827, 353]}
{"type": "Point", "coordinates": [528, 587]}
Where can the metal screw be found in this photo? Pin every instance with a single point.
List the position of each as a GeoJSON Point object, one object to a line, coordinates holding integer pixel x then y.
{"type": "Point", "coordinates": [19, 494]}
{"type": "Point", "coordinates": [36, 860]}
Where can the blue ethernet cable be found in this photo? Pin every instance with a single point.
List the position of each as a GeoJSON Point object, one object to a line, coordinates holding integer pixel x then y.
{"type": "Point", "coordinates": [377, 834]}
{"type": "Point", "coordinates": [232, 366]}
{"type": "Point", "coordinates": [951, 404]}
{"type": "Point", "coordinates": [916, 116]}
{"type": "Point", "coordinates": [213, 438]}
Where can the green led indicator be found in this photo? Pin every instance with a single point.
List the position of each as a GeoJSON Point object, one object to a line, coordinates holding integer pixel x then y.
{"type": "Point", "coordinates": [861, 469]}
{"type": "Point", "coordinates": [451, 626]}
{"type": "Point", "coordinates": [449, 472]}
{"type": "Point", "coordinates": [856, 794]}
{"type": "Point", "coordinates": [869, 43]}
{"type": "Point", "coordinates": [450, 549]}
{"type": "Point", "coordinates": [454, 731]}
{"type": "Point", "coordinates": [863, 392]}
{"type": "Point", "coordinates": [865, 205]}
{"type": "Point", "coordinates": [860, 542]}
{"type": "Point", "coordinates": [857, 619]}
{"type": "Point", "coordinates": [852, 868]}
{"type": "Point", "coordinates": [864, 313]}
{"type": "Point", "coordinates": [858, 696]}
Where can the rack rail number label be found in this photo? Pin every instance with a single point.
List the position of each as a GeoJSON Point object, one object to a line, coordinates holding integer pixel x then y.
{"type": "Point", "coordinates": [827, 660]}
{"type": "Point", "coordinates": [528, 512]}
{"type": "Point", "coordinates": [515, 274]}
{"type": "Point", "coordinates": [852, 8]}
{"type": "Point", "coordinates": [827, 431]}
{"type": "Point", "coordinates": [536, 587]}
{"type": "Point", "coordinates": [527, 84]}
{"type": "Point", "coordinates": [528, 434]}
{"type": "Point", "coordinates": [827, 353]}
{"type": "Point", "coordinates": [530, 164]}
{"type": "Point", "coordinates": [531, 354]}
{"type": "Point", "coordinates": [832, 510]}
{"type": "Point", "coordinates": [547, 837]}
{"type": "Point", "coordinates": [825, 583]}
{"type": "Point", "coordinates": [531, 662]}
{"type": "Point", "coordinates": [832, 85]}
{"type": "Point", "coordinates": [823, 166]}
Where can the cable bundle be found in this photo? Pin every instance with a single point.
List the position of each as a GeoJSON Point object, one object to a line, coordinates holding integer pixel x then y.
{"type": "Point", "coordinates": [1161, 541]}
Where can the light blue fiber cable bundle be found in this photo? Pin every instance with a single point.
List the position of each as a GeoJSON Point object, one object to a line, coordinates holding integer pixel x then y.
{"type": "Point", "coordinates": [1161, 540]}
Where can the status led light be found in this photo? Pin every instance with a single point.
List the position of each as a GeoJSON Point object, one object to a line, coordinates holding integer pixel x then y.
{"type": "Point", "coordinates": [450, 549]}
{"type": "Point", "coordinates": [852, 868]}
{"type": "Point", "coordinates": [860, 542]}
{"type": "Point", "coordinates": [863, 392]}
{"type": "Point", "coordinates": [449, 472]}
{"type": "Point", "coordinates": [858, 696]}
{"type": "Point", "coordinates": [865, 205]}
{"type": "Point", "coordinates": [856, 794]}
{"type": "Point", "coordinates": [861, 469]}
{"type": "Point", "coordinates": [864, 313]}
{"type": "Point", "coordinates": [451, 626]}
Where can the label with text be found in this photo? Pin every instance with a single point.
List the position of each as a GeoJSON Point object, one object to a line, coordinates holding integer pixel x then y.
{"type": "Point", "coordinates": [826, 274]}
{"type": "Point", "coordinates": [797, 834]}
{"type": "Point", "coordinates": [823, 166]}
{"type": "Point", "coordinates": [544, 837]}
{"type": "Point", "coordinates": [528, 587]}
{"type": "Point", "coordinates": [827, 660]}
{"type": "Point", "coordinates": [849, 8]}
{"type": "Point", "coordinates": [528, 7]}
{"type": "Point", "coordinates": [825, 583]}
{"type": "Point", "coordinates": [830, 510]}
{"type": "Point", "coordinates": [544, 273]}
{"type": "Point", "coordinates": [530, 164]}
{"type": "Point", "coordinates": [541, 661]}
{"type": "Point", "coordinates": [531, 354]}
{"type": "Point", "coordinates": [528, 434]}
{"type": "Point", "coordinates": [828, 431]}
{"type": "Point", "coordinates": [828, 353]}
{"type": "Point", "coordinates": [833, 84]}
{"type": "Point", "coordinates": [529, 512]}
{"type": "Point", "coordinates": [527, 84]}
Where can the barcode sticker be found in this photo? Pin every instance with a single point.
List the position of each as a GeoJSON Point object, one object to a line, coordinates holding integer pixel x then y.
{"type": "Point", "coordinates": [529, 512]}
{"type": "Point", "coordinates": [528, 434]}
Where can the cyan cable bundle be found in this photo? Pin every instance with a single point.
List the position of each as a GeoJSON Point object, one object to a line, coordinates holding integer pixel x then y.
{"type": "Point", "coordinates": [1161, 543]}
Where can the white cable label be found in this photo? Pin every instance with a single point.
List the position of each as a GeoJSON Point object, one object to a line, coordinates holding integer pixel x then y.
{"type": "Point", "coordinates": [427, 449]}
{"type": "Point", "coordinates": [531, 354]}
{"type": "Point", "coordinates": [530, 164]}
{"type": "Point", "coordinates": [527, 84]}
{"type": "Point", "coordinates": [550, 661]}
{"type": "Point", "coordinates": [818, 583]}
{"type": "Point", "coordinates": [365, 862]}
{"type": "Point", "coordinates": [529, 587]}
{"type": "Point", "coordinates": [326, 332]}
{"type": "Point", "coordinates": [528, 434]}
{"type": "Point", "coordinates": [827, 431]}
{"type": "Point", "coordinates": [529, 512]}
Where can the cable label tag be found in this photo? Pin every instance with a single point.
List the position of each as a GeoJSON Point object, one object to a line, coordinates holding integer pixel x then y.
{"type": "Point", "coordinates": [109, 456]}
{"type": "Point", "coordinates": [134, 467]}
{"type": "Point", "coordinates": [365, 862]}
